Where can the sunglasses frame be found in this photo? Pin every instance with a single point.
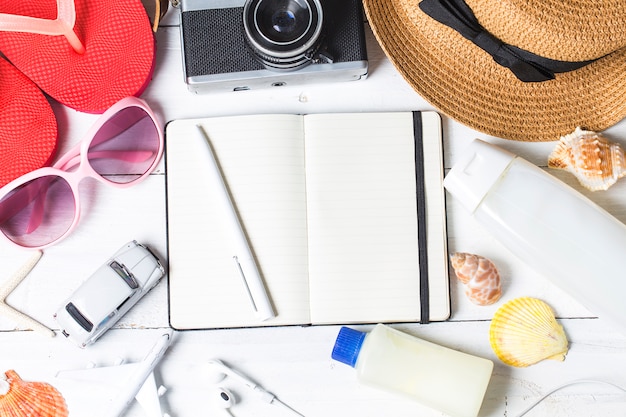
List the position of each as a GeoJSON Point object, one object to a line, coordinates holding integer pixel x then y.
{"type": "Point", "coordinates": [77, 158]}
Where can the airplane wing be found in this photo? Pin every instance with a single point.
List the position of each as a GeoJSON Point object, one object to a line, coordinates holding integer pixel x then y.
{"type": "Point", "coordinates": [111, 389]}
{"type": "Point", "coordinates": [148, 397]}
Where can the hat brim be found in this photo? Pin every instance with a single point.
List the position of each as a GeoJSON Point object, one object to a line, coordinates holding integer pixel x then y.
{"type": "Point", "coordinates": [466, 84]}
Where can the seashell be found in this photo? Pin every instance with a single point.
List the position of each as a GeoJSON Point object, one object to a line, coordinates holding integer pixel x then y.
{"type": "Point", "coordinates": [25, 399]}
{"type": "Point", "coordinates": [524, 331]}
{"type": "Point", "coordinates": [480, 276]}
{"type": "Point", "coordinates": [596, 162]}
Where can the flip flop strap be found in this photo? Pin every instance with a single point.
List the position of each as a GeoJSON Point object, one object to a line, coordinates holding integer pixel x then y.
{"type": "Point", "coordinates": [62, 25]}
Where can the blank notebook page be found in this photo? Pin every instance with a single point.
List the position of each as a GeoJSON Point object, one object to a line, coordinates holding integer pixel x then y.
{"type": "Point", "coordinates": [262, 159]}
{"type": "Point", "coordinates": [363, 250]}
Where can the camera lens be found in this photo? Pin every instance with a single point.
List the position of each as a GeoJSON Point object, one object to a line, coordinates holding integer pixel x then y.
{"type": "Point", "coordinates": [283, 21]}
{"type": "Point", "coordinates": [283, 34]}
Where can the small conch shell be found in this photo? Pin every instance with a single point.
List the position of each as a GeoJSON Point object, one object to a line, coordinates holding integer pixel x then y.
{"type": "Point", "coordinates": [20, 398]}
{"type": "Point", "coordinates": [596, 162]}
{"type": "Point", "coordinates": [524, 331]}
{"type": "Point", "coordinates": [480, 276]}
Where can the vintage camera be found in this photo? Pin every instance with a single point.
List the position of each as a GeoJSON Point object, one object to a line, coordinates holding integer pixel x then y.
{"type": "Point", "coordinates": [248, 44]}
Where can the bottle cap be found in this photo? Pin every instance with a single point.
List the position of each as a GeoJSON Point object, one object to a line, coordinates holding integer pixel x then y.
{"type": "Point", "coordinates": [477, 171]}
{"type": "Point", "coordinates": [348, 346]}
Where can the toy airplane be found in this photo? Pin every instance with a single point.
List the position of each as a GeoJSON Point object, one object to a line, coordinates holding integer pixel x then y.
{"type": "Point", "coordinates": [115, 387]}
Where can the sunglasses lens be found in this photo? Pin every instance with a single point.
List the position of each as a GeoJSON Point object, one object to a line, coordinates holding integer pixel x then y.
{"type": "Point", "coordinates": [38, 212]}
{"type": "Point", "coordinates": [126, 147]}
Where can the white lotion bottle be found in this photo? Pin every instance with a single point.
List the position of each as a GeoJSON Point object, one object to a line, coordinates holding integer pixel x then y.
{"type": "Point", "coordinates": [438, 377]}
{"type": "Point", "coordinates": [554, 229]}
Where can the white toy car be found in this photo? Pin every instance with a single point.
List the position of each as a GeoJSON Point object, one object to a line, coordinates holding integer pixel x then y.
{"type": "Point", "coordinates": [109, 293]}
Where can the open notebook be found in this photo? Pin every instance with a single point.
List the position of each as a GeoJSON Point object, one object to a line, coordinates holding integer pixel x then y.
{"type": "Point", "coordinates": [345, 225]}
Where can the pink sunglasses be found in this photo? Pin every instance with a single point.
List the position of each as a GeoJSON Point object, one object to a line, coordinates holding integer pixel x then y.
{"type": "Point", "coordinates": [42, 207]}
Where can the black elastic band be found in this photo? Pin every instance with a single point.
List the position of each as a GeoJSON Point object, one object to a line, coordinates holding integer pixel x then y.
{"type": "Point", "coordinates": [420, 191]}
{"type": "Point", "coordinates": [526, 66]}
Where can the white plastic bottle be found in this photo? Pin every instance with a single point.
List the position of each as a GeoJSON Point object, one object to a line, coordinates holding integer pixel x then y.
{"type": "Point", "coordinates": [550, 226]}
{"type": "Point", "coordinates": [444, 379]}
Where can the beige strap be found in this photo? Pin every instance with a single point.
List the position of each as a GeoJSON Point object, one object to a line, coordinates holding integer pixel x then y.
{"type": "Point", "coordinates": [156, 9]}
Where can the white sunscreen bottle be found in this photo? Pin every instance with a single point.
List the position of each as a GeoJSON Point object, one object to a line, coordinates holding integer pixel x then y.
{"type": "Point", "coordinates": [438, 377]}
{"type": "Point", "coordinates": [554, 229]}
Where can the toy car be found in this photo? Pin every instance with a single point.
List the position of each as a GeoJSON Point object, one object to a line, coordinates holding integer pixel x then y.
{"type": "Point", "coordinates": [109, 293]}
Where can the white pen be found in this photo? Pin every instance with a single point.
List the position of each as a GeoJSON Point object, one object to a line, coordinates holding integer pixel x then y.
{"type": "Point", "coordinates": [242, 257]}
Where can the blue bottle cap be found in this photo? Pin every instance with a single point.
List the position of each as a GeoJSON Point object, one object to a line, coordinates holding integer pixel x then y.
{"type": "Point", "coordinates": [348, 346]}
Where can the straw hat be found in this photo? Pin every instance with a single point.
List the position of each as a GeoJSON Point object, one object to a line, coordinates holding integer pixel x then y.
{"type": "Point", "coordinates": [465, 82]}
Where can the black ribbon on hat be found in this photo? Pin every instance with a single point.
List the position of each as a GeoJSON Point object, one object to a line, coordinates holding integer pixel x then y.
{"type": "Point", "coordinates": [526, 66]}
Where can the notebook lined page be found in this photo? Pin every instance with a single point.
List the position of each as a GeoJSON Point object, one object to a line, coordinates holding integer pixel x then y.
{"type": "Point", "coordinates": [363, 250]}
{"type": "Point", "coordinates": [438, 284]}
{"type": "Point", "coordinates": [262, 161]}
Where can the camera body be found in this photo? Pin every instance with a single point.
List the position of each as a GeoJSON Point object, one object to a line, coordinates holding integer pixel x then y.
{"type": "Point", "coordinates": [218, 56]}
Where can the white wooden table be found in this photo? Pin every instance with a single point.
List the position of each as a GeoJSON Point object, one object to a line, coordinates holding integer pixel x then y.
{"type": "Point", "coordinates": [294, 362]}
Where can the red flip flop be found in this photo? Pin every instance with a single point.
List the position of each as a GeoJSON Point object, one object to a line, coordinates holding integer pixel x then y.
{"type": "Point", "coordinates": [86, 54]}
{"type": "Point", "coordinates": [28, 128]}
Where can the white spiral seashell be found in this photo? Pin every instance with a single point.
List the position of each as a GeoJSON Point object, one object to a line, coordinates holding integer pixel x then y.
{"type": "Point", "coordinates": [480, 276]}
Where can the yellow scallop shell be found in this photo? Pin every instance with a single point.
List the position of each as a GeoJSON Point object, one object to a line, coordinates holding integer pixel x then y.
{"type": "Point", "coordinates": [29, 399]}
{"type": "Point", "coordinates": [524, 331]}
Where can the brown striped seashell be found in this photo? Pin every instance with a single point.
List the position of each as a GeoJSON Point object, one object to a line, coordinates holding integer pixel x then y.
{"type": "Point", "coordinates": [596, 162]}
{"type": "Point", "coordinates": [480, 276]}
{"type": "Point", "coordinates": [19, 398]}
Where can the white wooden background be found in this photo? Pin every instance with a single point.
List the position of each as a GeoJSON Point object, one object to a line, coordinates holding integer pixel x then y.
{"type": "Point", "coordinates": [294, 362]}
